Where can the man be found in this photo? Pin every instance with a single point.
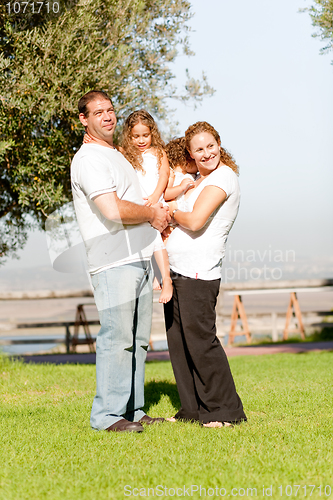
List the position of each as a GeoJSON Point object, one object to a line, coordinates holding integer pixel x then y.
{"type": "Point", "coordinates": [119, 236]}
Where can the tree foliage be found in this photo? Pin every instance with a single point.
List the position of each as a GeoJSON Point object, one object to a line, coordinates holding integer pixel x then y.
{"type": "Point", "coordinates": [322, 18]}
{"type": "Point", "coordinates": [47, 62]}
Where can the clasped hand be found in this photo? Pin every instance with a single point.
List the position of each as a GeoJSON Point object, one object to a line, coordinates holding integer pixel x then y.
{"type": "Point", "coordinates": [161, 217]}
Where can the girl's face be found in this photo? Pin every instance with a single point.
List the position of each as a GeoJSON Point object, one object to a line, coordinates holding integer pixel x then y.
{"type": "Point", "coordinates": [191, 167]}
{"type": "Point", "coordinates": [141, 136]}
{"type": "Point", "coordinates": [205, 150]}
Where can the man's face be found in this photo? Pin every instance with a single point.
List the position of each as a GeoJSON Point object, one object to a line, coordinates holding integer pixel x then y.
{"type": "Point", "coordinates": [101, 120]}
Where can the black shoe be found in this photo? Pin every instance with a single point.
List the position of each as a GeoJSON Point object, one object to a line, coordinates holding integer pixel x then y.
{"type": "Point", "coordinates": [150, 420]}
{"type": "Point", "coordinates": [124, 425]}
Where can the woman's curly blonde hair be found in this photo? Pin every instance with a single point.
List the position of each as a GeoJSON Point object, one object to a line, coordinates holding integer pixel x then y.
{"type": "Point", "coordinates": [131, 152]}
{"type": "Point", "coordinates": [198, 128]}
{"type": "Point", "coordinates": [177, 153]}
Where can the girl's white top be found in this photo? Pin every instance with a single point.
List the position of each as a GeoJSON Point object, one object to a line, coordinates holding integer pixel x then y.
{"type": "Point", "coordinates": [199, 254]}
{"type": "Point", "coordinates": [149, 177]}
{"type": "Point", "coordinates": [179, 176]}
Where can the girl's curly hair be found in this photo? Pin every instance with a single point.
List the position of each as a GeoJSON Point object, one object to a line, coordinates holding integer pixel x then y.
{"type": "Point", "coordinates": [198, 128]}
{"type": "Point", "coordinates": [177, 153]}
{"type": "Point", "coordinates": [131, 152]}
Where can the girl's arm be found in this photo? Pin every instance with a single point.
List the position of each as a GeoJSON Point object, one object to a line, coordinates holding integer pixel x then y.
{"type": "Point", "coordinates": [208, 200]}
{"type": "Point", "coordinates": [86, 137]}
{"type": "Point", "coordinates": [163, 178]}
{"type": "Point", "coordinates": [172, 192]}
{"type": "Point", "coordinates": [170, 185]}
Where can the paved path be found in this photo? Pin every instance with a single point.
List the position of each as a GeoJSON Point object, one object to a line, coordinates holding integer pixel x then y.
{"type": "Point", "coordinates": [90, 358]}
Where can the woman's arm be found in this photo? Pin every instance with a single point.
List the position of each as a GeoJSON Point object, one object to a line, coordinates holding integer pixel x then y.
{"type": "Point", "coordinates": [208, 200]}
{"type": "Point", "coordinates": [163, 178]}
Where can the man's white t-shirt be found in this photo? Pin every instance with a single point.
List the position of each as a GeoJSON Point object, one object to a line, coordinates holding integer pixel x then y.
{"type": "Point", "coordinates": [199, 254]}
{"type": "Point", "coordinates": [99, 170]}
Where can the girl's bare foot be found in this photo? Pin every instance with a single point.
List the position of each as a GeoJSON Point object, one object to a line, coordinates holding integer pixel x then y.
{"type": "Point", "coordinates": [171, 419]}
{"type": "Point", "coordinates": [156, 285]}
{"type": "Point", "coordinates": [167, 291]}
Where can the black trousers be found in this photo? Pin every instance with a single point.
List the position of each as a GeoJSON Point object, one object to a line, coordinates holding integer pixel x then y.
{"type": "Point", "coordinates": [205, 384]}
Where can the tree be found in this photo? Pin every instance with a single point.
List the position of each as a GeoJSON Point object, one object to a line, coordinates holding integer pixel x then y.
{"type": "Point", "coordinates": [322, 17]}
{"type": "Point", "coordinates": [48, 61]}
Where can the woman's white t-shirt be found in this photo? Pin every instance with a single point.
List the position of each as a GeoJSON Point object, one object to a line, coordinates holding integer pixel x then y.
{"type": "Point", "coordinates": [199, 254]}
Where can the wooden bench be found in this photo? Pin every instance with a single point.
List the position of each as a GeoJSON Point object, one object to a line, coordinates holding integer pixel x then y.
{"type": "Point", "coordinates": [71, 341]}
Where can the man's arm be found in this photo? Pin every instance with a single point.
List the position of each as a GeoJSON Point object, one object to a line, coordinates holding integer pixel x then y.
{"type": "Point", "coordinates": [130, 213]}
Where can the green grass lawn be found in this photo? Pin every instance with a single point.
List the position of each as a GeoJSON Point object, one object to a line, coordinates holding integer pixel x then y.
{"type": "Point", "coordinates": [49, 451]}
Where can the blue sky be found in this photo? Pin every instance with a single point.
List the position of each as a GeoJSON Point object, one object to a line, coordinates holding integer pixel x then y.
{"type": "Point", "coordinates": [273, 107]}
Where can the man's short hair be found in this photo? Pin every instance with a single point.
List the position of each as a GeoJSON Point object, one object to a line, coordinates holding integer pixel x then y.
{"type": "Point", "coordinates": [91, 96]}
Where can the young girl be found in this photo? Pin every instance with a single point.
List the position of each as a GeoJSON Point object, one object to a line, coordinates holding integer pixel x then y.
{"type": "Point", "coordinates": [143, 147]}
{"type": "Point", "coordinates": [183, 174]}
{"type": "Point", "coordinates": [183, 169]}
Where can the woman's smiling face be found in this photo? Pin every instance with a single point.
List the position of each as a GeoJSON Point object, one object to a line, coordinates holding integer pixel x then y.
{"type": "Point", "coordinates": [205, 150]}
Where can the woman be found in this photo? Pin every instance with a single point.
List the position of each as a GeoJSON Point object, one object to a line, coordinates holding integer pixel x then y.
{"type": "Point", "coordinates": [205, 215]}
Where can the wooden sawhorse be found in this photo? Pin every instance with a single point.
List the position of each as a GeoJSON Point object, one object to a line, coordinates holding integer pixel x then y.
{"type": "Point", "coordinates": [238, 312]}
{"type": "Point", "coordinates": [81, 319]}
{"type": "Point", "coordinates": [294, 310]}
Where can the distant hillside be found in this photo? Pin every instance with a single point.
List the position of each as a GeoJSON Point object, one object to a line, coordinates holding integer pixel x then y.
{"type": "Point", "coordinates": [44, 277]}
{"type": "Point", "coordinates": [40, 278]}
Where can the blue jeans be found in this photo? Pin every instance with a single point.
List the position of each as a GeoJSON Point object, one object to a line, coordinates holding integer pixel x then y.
{"type": "Point", "coordinates": [123, 297]}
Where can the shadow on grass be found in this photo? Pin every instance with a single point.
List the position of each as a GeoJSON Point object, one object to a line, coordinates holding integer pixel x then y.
{"type": "Point", "coordinates": [155, 390]}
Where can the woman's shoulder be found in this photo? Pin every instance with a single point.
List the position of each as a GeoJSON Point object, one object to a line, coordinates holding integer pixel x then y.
{"type": "Point", "coordinates": [225, 178]}
{"type": "Point", "coordinates": [226, 170]}
{"type": "Point", "coordinates": [223, 173]}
